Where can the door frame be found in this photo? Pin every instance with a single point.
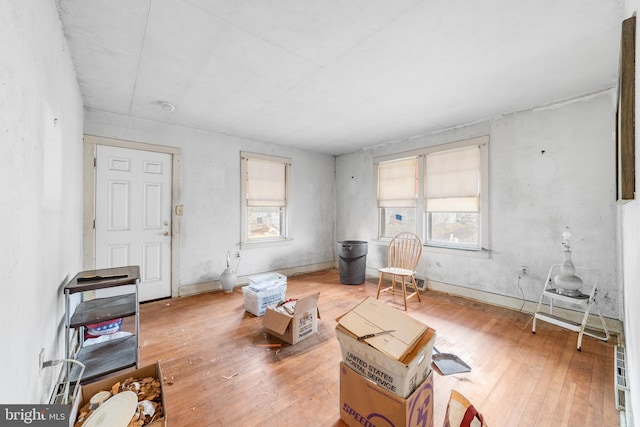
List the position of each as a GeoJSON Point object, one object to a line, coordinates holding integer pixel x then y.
{"type": "Point", "coordinates": [89, 199]}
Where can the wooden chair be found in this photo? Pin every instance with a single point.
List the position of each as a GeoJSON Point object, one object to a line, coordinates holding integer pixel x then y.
{"type": "Point", "coordinates": [404, 253]}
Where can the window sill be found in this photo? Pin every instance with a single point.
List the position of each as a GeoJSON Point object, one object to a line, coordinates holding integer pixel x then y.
{"type": "Point", "coordinates": [266, 244]}
{"type": "Point", "coordinates": [473, 253]}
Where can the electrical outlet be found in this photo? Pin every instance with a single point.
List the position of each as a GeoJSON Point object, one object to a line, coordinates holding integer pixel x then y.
{"type": "Point", "coordinates": [524, 270]}
{"type": "Point", "coordinates": [41, 360]}
{"type": "Point", "coordinates": [237, 254]}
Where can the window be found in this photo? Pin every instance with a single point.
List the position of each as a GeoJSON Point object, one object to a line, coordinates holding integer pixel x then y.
{"type": "Point", "coordinates": [453, 182]}
{"type": "Point", "coordinates": [265, 196]}
{"type": "Point", "coordinates": [452, 197]}
{"type": "Point", "coordinates": [397, 196]}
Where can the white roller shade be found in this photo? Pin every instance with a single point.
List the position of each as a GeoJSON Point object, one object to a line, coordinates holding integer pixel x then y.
{"type": "Point", "coordinates": [398, 183]}
{"type": "Point", "coordinates": [266, 183]}
{"type": "Point", "coordinates": [452, 180]}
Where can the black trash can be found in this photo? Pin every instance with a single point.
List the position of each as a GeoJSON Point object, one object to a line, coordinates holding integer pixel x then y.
{"type": "Point", "coordinates": [352, 261]}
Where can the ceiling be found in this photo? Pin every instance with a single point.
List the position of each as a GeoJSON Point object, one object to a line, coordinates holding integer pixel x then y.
{"type": "Point", "coordinates": [336, 76]}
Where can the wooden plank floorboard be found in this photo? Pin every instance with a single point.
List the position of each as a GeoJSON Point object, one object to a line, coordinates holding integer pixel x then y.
{"type": "Point", "coordinates": [220, 368]}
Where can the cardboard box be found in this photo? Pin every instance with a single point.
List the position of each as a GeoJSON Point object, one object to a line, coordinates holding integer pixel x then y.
{"type": "Point", "coordinates": [363, 403]}
{"type": "Point", "coordinates": [264, 290]}
{"type": "Point", "coordinates": [88, 390]}
{"type": "Point", "coordinates": [257, 303]}
{"type": "Point", "coordinates": [400, 377]}
{"type": "Point", "coordinates": [293, 321]}
{"type": "Point", "coordinates": [372, 316]}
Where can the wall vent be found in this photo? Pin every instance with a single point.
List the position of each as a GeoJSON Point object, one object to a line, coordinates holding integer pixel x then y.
{"type": "Point", "coordinates": [620, 376]}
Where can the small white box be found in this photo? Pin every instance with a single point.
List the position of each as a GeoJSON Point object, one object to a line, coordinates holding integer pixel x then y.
{"type": "Point", "coordinates": [264, 290]}
{"type": "Point", "coordinates": [263, 281]}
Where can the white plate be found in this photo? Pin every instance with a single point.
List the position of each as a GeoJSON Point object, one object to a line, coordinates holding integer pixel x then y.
{"type": "Point", "coordinates": [115, 411]}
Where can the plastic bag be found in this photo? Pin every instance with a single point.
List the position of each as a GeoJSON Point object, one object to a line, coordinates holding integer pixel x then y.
{"type": "Point", "coordinates": [461, 413]}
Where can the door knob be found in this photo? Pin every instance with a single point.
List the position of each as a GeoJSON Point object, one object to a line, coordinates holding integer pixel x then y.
{"type": "Point", "coordinates": [165, 233]}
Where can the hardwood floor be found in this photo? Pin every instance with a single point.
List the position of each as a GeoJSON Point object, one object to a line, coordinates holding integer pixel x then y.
{"type": "Point", "coordinates": [220, 367]}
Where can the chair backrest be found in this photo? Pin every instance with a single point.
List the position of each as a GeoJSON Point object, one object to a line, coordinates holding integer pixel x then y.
{"type": "Point", "coordinates": [405, 250]}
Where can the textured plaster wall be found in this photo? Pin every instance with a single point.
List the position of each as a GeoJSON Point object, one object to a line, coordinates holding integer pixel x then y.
{"type": "Point", "coordinates": [630, 226]}
{"type": "Point", "coordinates": [533, 197]}
{"type": "Point", "coordinates": [210, 193]}
{"type": "Point", "coordinates": [630, 232]}
{"type": "Point", "coordinates": [41, 203]}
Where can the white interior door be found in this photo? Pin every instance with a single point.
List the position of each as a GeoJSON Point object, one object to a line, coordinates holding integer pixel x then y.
{"type": "Point", "coordinates": [133, 215]}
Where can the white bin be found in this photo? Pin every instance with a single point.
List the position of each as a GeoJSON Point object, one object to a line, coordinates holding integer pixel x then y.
{"type": "Point", "coordinates": [264, 290]}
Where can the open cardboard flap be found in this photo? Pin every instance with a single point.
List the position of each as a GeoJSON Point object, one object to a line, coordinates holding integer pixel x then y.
{"type": "Point", "coordinates": [278, 321]}
{"type": "Point", "coordinates": [372, 315]}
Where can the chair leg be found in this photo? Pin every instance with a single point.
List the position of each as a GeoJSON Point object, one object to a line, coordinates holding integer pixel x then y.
{"type": "Point", "coordinates": [415, 288]}
{"type": "Point", "coordinates": [379, 285]}
{"type": "Point", "coordinates": [404, 293]}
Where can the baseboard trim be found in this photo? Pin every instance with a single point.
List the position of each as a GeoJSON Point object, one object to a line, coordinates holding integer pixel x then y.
{"type": "Point", "coordinates": [614, 326]}
{"type": "Point", "coordinates": [215, 285]}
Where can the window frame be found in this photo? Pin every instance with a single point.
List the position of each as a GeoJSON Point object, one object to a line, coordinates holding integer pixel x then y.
{"type": "Point", "coordinates": [416, 198]}
{"type": "Point", "coordinates": [421, 213]}
{"type": "Point", "coordinates": [244, 207]}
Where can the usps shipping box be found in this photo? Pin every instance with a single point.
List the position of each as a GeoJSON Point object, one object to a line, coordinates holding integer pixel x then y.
{"type": "Point", "coordinates": [293, 321]}
{"type": "Point", "coordinates": [372, 316]}
{"type": "Point", "coordinates": [400, 377]}
{"type": "Point", "coordinates": [89, 390]}
{"type": "Point", "coordinates": [362, 402]}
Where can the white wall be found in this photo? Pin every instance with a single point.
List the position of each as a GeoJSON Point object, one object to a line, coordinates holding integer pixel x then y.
{"type": "Point", "coordinates": [42, 189]}
{"type": "Point", "coordinates": [630, 224]}
{"type": "Point", "coordinates": [630, 231]}
{"type": "Point", "coordinates": [530, 203]}
{"type": "Point", "coordinates": [40, 207]}
{"type": "Point", "coordinates": [210, 193]}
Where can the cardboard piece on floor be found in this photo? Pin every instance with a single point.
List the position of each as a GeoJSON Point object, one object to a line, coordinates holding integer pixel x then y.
{"type": "Point", "coordinates": [295, 327]}
{"type": "Point", "coordinates": [372, 315]}
{"type": "Point", "coordinates": [362, 402]}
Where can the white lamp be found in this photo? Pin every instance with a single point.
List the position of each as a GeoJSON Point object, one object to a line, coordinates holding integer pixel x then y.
{"type": "Point", "coordinates": [567, 283]}
{"type": "Point", "coordinates": [228, 277]}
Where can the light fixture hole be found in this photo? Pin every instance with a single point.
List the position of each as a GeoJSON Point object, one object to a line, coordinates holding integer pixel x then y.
{"type": "Point", "coordinates": [168, 106]}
